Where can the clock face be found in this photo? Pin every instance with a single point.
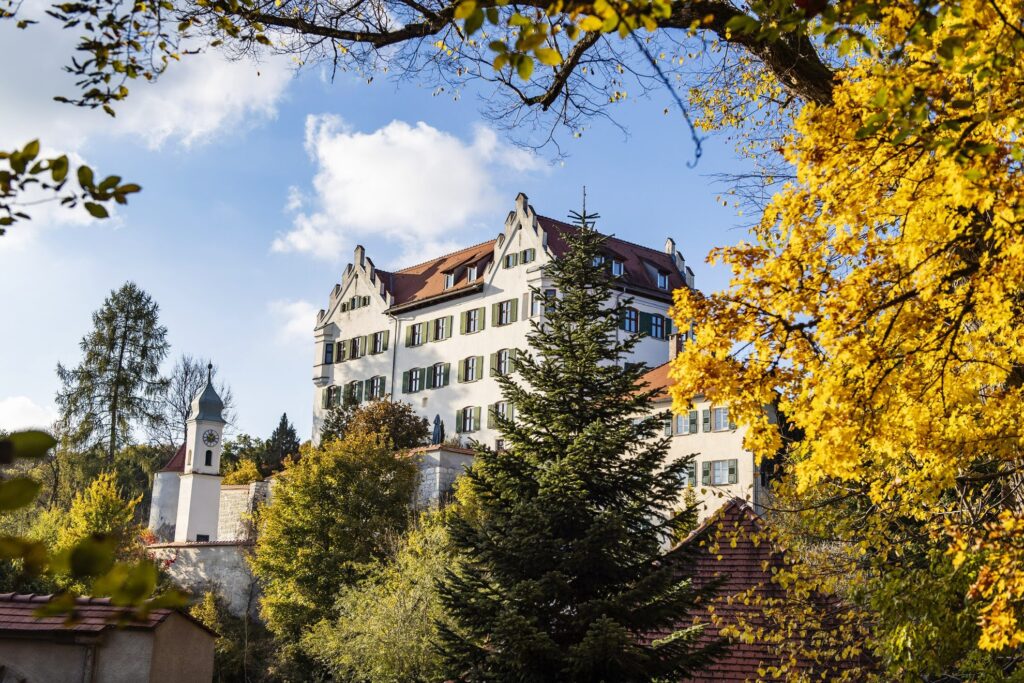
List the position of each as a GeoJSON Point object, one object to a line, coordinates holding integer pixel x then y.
{"type": "Point", "coordinates": [210, 437]}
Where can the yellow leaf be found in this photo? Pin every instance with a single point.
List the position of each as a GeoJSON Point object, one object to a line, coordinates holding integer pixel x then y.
{"type": "Point", "coordinates": [548, 56]}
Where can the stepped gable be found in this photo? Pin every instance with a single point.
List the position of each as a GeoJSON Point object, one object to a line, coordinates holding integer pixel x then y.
{"type": "Point", "coordinates": [90, 615]}
{"type": "Point", "coordinates": [636, 258]}
{"type": "Point", "coordinates": [177, 461]}
{"type": "Point", "coordinates": [732, 548]}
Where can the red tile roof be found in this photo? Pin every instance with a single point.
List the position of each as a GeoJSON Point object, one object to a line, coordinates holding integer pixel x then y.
{"type": "Point", "coordinates": [425, 281]}
{"type": "Point", "coordinates": [732, 547]}
{"type": "Point", "coordinates": [658, 379]}
{"type": "Point", "coordinates": [90, 615]}
{"type": "Point", "coordinates": [177, 461]}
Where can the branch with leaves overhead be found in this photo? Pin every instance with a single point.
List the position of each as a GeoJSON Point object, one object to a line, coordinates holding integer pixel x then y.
{"type": "Point", "coordinates": [28, 174]}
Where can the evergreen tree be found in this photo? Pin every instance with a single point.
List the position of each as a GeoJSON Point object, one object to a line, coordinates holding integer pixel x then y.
{"type": "Point", "coordinates": [561, 574]}
{"type": "Point", "coordinates": [117, 384]}
{"type": "Point", "coordinates": [283, 442]}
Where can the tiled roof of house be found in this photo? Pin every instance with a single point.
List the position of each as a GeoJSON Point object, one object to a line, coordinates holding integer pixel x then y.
{"type": "Point", "coordinates": [658, 379]}
{"type": "Point", "coordinates": [90, 615]}
{"type": "Point", "coordinates": [177, 461]}
{"type": "Point", "coordinates": [732, 547]}
{"type": "Point", "coordinates": [424, 281]}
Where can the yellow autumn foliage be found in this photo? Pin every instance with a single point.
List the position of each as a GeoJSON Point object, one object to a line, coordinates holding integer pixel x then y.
{"type": "Point", "coordinates": [879, 303]}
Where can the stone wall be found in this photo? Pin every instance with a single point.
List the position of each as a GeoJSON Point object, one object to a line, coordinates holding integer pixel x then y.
{"type": "Point", "coordinates": [237, 503]}
{"type": "Point", "coordinates": [219, 566]}
{"type": "Point", "coordinates": [439, 467]}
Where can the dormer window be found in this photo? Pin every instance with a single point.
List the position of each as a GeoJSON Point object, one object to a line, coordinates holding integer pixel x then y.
{"type": "Point", "coordinates": [618, 268]}
{"type": "Point", "coordinates": [449, 280]}
{"type": "Point", "coordinates": [662, 280]}
{"type": "Point", "coordinates": [471, 273]}
{"type": "Point", "coordinates": [598, 261]}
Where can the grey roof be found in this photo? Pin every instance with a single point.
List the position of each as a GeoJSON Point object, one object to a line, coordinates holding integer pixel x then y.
{"type": "Point", "coordinates": [207, 404]}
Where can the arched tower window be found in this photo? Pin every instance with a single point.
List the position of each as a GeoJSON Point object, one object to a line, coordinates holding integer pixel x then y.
{"type": "Point", "coordinates": [209, 458]}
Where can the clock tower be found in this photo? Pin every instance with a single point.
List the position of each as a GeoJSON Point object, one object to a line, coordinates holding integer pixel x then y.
{"type": "Point", "coordinates": [199, 491]}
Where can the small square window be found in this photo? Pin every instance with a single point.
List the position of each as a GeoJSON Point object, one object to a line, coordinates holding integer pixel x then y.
{"type": "Point", "coordinates": [618, 268]}
{"type": "Point", "coordinates": [449, 280]}
{"type": "Point", "coordinates": [598, 261]}
{"type": "Point", "coordinates": [202, 538]}
{"type": "Point", "coordinates": [662, 280]}
{"type": "Point", "coordinates": [471, 273]}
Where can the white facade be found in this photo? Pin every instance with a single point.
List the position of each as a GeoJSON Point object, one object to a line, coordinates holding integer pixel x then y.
{"type": "Point", "coordinates": [372, 315]}
{"type": "Point", "coordinates": [163, 507]}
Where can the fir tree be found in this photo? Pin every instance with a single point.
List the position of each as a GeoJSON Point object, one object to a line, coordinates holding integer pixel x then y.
{"type": "Point", "coordinates": [283, 442]}
{"type": "Point", "coordinates": [117, 384]}
{"type": "Point", "coordinates": [561, 574]}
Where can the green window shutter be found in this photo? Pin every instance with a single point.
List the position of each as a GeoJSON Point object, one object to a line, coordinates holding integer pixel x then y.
{"type": "Point", "coordinates": [430, 330]}
{"type": "Point", "coordinates": [447, 374]}
{"type": "Point", "coordinates": [479, 367]}
{"type": "Point", "coordinates": [462, 370]}
{"type": "Point", "coordinates": [405, 382]}
{"type": "Point", "coordinates": [326, 397]}
{"type": "Point", "coordinates": [705, 473]}
{"type": "Point", "coordinates": [693, 421]}
{"type": "Point", "coordinates": [733, 478]}
{"type": "Point", "coordinates": [510, 412]}
{"type": "Point", "coordinates": [428, 377]}
{"type": "Point", "coordinates": [668, 427]}
{"type": "Point", "coordinates": [691, 473]}
{"type": "Point", "coordinates": [494, 313]}
{"type": "Point", "coordinates": [732, 425]}
{"type": "Point", "coordinates": [387, 337]}
{"type": "Point", "coordinates": [645, 323]}
{"type": "Point", "coordinates": [367, 389]}
{"type": "Point", "coordinates": [339, 352]}
{"type": "Point", "coordinates": [483, 317]}
{"type": "Point", "coordinates": [458, 421]}
{"type": "Point", "coordinates": [367, 344]}
{"type": "Point", "coordinates": [476, 418]}
{"type": "Point", "coordinates": [408, 336]}
{"type": "Point", "coordinates": [448, 322]}
{"type": "Point", "coordinates": [526, 305]}
{"type": "Point", "coordinates": [706, 419]}
{"type": "Point", "coordinates": [491, 410]}
{"type": "Point", "coordinates": [494, 365]}
{"type": "Point", "coordinates": [383, 385]}
{"type": "Point", "coordinates": [514, 305]}
{"type": "Point", "coordinates": [622, 319]}
{"type": "Point", "coordinates": [358, 390]}
{"type": "Point", "coordinates": [463, 322]}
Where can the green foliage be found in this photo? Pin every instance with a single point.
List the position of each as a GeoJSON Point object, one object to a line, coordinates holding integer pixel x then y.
{"type": "Point", "coordinates": [117, 384]}
{"type": "Point", "coordinates": [26, 171]}
{"type": "Point", "coordinates": [283, 442]}
{"type": "Point", "coordinates": [242, 447]}
{"type": "Point", "coordinates": [396, 420]}
{"type": "Point", "coordinates": [386, 628]}
{"type": "Point", "coordinates": [245, 472]}
{"type": "Point", "coordinates": [559, 562]}
{"type": "Point", "coordinates": [244, 647]}
{"type": "Point", "coordinates": [330, 517]}
{"type": "Point", "coordinates": [93, 541]}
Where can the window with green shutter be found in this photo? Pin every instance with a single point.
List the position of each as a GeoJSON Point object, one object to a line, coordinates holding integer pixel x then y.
{"type": "Point", "coordinates": [705, 473]}
{"type": "Point", "coordinates": [667, 427]}
{"type": "Point", "coordinates": [528, 255]}
{"type": "Point", "coordinates": [691, 474]}
{"type": "Point", "coordinates": [406, 377]}
{"type": "Point", "coordinates": [706, 420]}
{"type": "Point", "coordinates": [693, 421]}
{"type": "Point", "coordinates": [733, 471]}
{"type": "Point", "coordinates": [645, 323]}
{"type": "Point", "coordinates": [476, 418]}
{"type": "Point", "coordinates": [511, 260]}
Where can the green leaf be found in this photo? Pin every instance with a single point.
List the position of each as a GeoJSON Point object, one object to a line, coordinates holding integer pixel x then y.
{"type": "Point", "coordinates": [31, 443]}
{"type": "Point", "coordinates": [524, 67]}
{"type": "Point", "coordinates": [85, 178]}
{"type": "Point", "coordinates": [109, 183]}
{"type": "Point", "coordinates": [17, 493]}
{"type": "Point", "coordinates": [464, 9]}
{"type": "Point", "coordinates": [548, 56]}
{"type": "Point", "coordinates": [92, 556]}
{"type": "Point", "coordinates": [474, 21]}
{"type": "Point", "coordinates": [31, 150]}
{"type": "Point", "coordinates": [498, 46]}
{"type": "Point", "coordinates": [59, 169]}
{"type": "Point", "coordinates": [96, 210]}
{"type": "Point", "coordinates": [742, 23]}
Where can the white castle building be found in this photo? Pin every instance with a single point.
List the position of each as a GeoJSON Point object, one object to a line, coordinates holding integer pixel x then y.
{"type": "Point", "coordinates": [437, 334]}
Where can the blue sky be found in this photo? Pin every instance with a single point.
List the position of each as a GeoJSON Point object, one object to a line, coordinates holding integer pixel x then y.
{"type": "Point", "coordinates": [257, 187]}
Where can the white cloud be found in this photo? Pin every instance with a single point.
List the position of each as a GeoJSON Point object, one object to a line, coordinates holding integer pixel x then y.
{"type": "Point", "coordinates": [190, 102]}
{"type": "Point", "coordinates": [413, 184]}
{"type": "Point", "coordinates": [294, 320]}
{"type": "Point", "coordinates": [21, 412]}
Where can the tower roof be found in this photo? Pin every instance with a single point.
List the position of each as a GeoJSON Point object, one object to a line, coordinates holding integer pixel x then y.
{"type": "Point", "coordinates": [207, 404]}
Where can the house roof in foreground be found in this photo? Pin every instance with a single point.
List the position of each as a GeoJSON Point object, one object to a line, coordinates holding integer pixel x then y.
{"type": "Point", "coordinates": [89, 616]}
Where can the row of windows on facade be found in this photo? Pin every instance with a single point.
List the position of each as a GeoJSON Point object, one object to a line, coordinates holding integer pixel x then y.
{"type": "Point", "coordinates": [355, 302]}
{"type": "Point", "coordinates": [618, 269]}
{"type": "Point", "coordinates": [511, 260]}
{"type": "Point", "coordinates": [467, 419]}
{"type": "Point", "coordinates": [693, 421]}
{"type": "Point", "coordinates": [471, 321]}
{"type": "Point", "coordinates": [712, 473]}
{"type": "Point", "coordinates": [653, 325]}
{"type": "Point", "coordinates": [415, 380]}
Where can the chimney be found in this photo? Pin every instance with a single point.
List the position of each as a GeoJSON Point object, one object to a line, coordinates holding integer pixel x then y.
{"type": "Point", "coordinates": [675, 344]}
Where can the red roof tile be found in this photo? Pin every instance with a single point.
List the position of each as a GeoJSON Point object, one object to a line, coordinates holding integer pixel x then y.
{"type": "Point", "coordinates": [177, 461]}
{"type": "Point", "coordinates": [425, 281]}
{"type": "Point", "coordinates": [657, 379]}
{"type": "Point", "coordinates": [90, 615]}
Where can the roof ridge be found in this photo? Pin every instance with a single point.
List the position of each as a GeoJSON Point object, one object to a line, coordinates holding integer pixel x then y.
{"type": "Point", "coordinates": [609, 236]}
{"type": "Point", "coordinates": [443, 256]}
